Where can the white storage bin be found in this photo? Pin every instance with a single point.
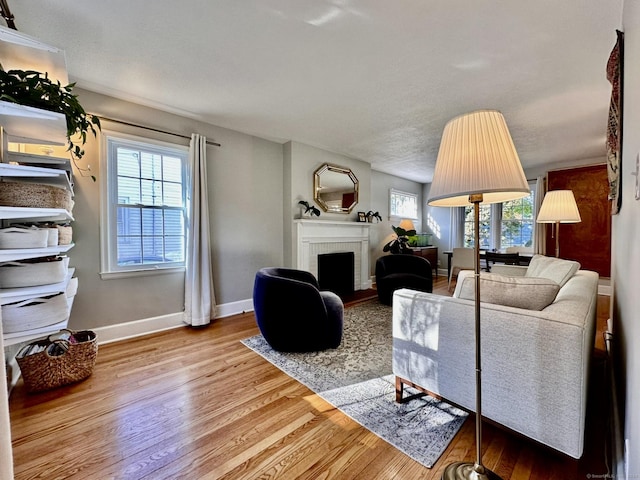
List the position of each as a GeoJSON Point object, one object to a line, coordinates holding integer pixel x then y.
{"type": "Point", "coordinates": [72, 289]}
{"type": "Point", "coordinates": [20, 237]}
{"type": "Point", "coordinates": [34, 313]}
{"type": "Point", "coordinates": [27, 274]}
{"type": "Point", "coordinates": [52, 236]}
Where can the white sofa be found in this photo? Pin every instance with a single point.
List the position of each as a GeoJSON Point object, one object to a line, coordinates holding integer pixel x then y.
{"type": "Point", "coordinates": [535, 364]}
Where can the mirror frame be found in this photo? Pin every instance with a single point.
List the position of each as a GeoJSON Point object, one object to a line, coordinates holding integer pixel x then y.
{"type": "Point", "coordinates": [327, 167]}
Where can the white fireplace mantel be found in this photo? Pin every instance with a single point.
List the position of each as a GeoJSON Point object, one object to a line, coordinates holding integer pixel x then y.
{"type": "Point", "coordinates": [314, 237]}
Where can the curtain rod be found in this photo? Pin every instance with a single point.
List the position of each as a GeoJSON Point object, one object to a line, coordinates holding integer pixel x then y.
{"type": "Point", "coordinates": [7, 15]}
{"type": "Point", "coordinates": [122, 122]}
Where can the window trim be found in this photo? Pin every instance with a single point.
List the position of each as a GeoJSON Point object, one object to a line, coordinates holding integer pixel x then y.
{"type": "Point", "coordinates": [392, 192]}
{"type": "Point", "coordinates": [108, 223]}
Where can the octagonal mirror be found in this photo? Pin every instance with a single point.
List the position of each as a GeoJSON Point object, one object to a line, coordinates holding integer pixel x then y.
{"type": "Point", "coordinates": [335, 188]}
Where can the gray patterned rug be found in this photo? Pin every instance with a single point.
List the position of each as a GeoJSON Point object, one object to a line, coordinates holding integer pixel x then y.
{"type": "Point", "coordinates": [356, 378]}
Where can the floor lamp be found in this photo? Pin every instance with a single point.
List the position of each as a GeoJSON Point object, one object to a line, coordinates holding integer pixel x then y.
{"type": "Point", "coordinates": [559, 206]}
{"type": "Point", "coordinates": [477, 163]}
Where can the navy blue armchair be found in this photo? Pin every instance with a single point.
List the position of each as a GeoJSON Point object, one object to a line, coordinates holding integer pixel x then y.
{"type": "Point", "coordinates": [292, 313]}
{"type": "Point", "coordinates": [402, 271]}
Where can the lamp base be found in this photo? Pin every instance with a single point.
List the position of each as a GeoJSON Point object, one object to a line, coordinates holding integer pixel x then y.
{"type": "Point", "coordinates": [468, 471]}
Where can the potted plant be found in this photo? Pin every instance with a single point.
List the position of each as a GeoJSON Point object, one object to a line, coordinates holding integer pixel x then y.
{"type": "Point", "coordinates": [35, 89]}
{"type": "Point", "coordinates": [400, 243]}
{"type": "Point", "coordinates": [311, 210]}
{"type": "Point", "coordinates": [371, 215]}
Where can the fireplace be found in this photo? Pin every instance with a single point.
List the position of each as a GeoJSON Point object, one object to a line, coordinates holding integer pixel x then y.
{"type": "Point", "coordinates": [317, 237]}
{"type": "Point", "coordinates": [335, 272]}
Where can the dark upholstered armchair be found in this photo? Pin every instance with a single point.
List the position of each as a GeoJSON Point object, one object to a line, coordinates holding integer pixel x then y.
{"type": "Point", "coordinates": [402, 271]}
{"type": "Point", "coordinates": [293, 315]}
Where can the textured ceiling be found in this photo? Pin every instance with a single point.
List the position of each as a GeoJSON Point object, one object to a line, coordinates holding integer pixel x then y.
{"type": "Point", "coordinates": [376, 80]}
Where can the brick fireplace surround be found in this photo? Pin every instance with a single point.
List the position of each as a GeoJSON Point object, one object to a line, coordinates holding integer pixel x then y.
{"type": "Point", "coordinates": [315, 237]}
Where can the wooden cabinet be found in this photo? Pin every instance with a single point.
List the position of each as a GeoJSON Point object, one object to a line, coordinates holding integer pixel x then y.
{"type": "Point", "coordinates": [431, 254]}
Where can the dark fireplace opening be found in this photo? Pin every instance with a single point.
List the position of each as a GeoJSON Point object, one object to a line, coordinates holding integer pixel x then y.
{"type": "Point", "coordinates": [336, 272]}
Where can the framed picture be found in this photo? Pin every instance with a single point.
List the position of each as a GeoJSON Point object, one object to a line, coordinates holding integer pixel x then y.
{"type": "Point", "coordinates": [614, 127]}
{"type": "Point", "coordinates": [362, 217]}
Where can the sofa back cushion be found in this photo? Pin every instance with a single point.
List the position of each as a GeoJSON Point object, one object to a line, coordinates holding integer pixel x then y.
{"type": "Point", "coordinates": [556, 269]}
{"type": "Point", "coordinates": [530, 293]}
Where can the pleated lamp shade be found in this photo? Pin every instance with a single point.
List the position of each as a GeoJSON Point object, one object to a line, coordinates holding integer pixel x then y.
{"type": "Point", "coordinates": [477, 156]}
{"type": "Point", "coordinates": [559, 206]}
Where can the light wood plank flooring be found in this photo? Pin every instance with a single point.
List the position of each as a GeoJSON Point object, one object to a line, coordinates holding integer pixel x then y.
{"type": "Point", "coordinates": [197, 404]}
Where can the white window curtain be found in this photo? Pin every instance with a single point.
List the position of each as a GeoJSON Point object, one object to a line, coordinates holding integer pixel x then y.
{"type": "Point", "coordinates": [539, 236]}
{"type": "Point", "coordinates": [199, 299]}
{"type": "Point", "coordinates": [456, 239]}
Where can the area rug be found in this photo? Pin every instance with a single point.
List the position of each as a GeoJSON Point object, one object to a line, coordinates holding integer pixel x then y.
{"type": "Point", "coordinates": [357, 379]}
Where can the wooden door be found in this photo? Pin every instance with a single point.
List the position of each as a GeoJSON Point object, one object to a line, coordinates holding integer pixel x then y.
{"type": "Point", "coordinates": [588, 242]}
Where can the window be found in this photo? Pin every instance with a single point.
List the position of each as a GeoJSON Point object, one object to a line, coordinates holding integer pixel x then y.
{"type": "Point", "coordinates": [517, 223]}
{"type": "Point", "coordinates": [502, 225]}
{"type": "Point", "coordinates": [403, 204]}
{"type": "Point", "coordinates": [144, 219]}
{"type": "Point", "coordinates": [485, 226]}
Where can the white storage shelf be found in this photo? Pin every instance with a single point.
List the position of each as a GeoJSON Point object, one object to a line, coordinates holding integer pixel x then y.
{"type": "Point", "coordinates": [30, 335]}
{"type": "Point", "coordinates": [10, 295]}
{"type": "Point", "coordinates": [11, 254]}
{"type": "Point", "coordinates": [49, 176]}
{"type": "Point", "coordinates": [33, 125]}
{"type": "Point", "coordinates": [35, 214]}
{"type": "Point", "coordinates": [20, 122]}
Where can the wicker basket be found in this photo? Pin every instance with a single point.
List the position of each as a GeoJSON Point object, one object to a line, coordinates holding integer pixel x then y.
{"type": "Point", "coordinates": [64, 358]}
{"type": "Point", "coordinates": [34, 195]}
{"type": "Point", "coordinates": [65, 233]}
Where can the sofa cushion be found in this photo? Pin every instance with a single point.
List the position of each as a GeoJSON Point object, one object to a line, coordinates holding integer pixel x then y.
{"type": "Point", "coordinates": [529, 293]}
{"type": "Point", "coordinates": [556, 269]}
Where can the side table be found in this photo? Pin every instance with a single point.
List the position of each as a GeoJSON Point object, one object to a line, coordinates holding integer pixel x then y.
{"type": "Point", "coordinates": [431, 254]}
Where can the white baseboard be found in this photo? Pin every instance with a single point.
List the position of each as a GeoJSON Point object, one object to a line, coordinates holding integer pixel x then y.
{"type": "Point", "coordinates": [136, 328]}
{"type": "Point", "coordinates": [146, 326]}
{"type": "Point", "coordinates": [234, 308]}
{"type": "Point", "coordinates": [604, 290]}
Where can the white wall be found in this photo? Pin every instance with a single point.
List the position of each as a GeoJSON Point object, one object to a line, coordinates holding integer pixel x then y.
{"type": "Point", "coordinates": [626, 245]}
{"type": "Point", "coordinates": [245, 190]}
{"type": "Point", "coordinates": [381, 232]}
{"type": "Point", "coordinates": [300, 161]}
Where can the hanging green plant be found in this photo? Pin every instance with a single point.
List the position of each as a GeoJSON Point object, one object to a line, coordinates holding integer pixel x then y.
{"type": "Point", "coordinates": [35, 89]}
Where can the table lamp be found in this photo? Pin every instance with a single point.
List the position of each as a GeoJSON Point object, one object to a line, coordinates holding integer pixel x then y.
{"type": "Point", "coordinates": [407, 224]}
{"type": "Point", "coordinates": [477, 163]}
{"type": "Point", "coordinates": [559, 206]}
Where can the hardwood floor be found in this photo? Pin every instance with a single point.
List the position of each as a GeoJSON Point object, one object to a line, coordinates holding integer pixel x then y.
{"type": "Point", "coordinates": [196, 403]}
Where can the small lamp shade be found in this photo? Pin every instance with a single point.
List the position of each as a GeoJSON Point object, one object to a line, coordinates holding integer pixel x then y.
{"type": "Point", "coordinates": [406, 224]}
{"type": "Point", "coordinates": [559, 206]}
{"type": "Point", "coordinates": [477, 156]}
